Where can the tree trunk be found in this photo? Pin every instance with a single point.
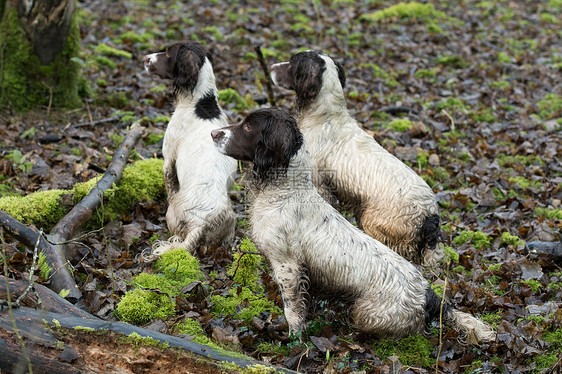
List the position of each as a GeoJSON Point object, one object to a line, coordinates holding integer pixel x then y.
{"type": "Point", "coordinates": [38, 40]}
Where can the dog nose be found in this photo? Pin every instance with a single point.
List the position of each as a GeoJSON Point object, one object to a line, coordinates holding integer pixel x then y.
{"type": "Point", "coordinates": [216, 134]}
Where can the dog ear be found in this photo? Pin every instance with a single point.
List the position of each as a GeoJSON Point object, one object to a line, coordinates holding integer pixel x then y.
{"type": "Point", "coordinates": [186, 69]}
{"type": "Point", "coordinates": [341, 73]}
{"type": "Point", "coordinates": [307, 79]}
{"type": "Point", "coordinates": [279, 141]}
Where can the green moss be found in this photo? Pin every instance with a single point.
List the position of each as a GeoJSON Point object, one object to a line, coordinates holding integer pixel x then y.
{"type": "Point", "coordinates": [176, 269]}
{"type": "Point", "coordinates": [533, 283]}
{"type": "Point", "coordinates": [501, 84]}
{"type": "Point", "coordinates": [245, 267]}
{"type": "Point", "coordinates": [139, 306]}
{"type": "Point", "coordinates": [399, 125]}
{"type": "Point", "coordinates": [422, 159]}
{"type": "Point", "coordinates": [484, 115]}
{"type": "Point", "coordinates": [423, 73]}
{"type": "Point", "coordinates": [214, 31]}
{"type": "Point", "coordinates": [550, 106]}
{"type": "Point", "coordinates": [451, 103]}
{"type": "Point", "coordinates": [545, 212]}
{"type": "Point", "coordinates": [478, 238]}
{"type": "Point", "coordinates": [544, 361]}
{"type": "Point", "coordinates": [414, 350]}
{"type": "Point", "coordinates": [493, 319]}
{"type": "Point", "coordinates": [450, 254]}
{"type": "Point", "coordinates": [233, 304]}
{"type": "Point", "coordinates": [494, 267]}
{"type": "Point", "coordinates": [192, 327]}
{"type": "Point", "coordinates": [106, 50]}
{"type": "Point", "coordinates": [142, 180]}
{"type": "Point", "coordinates": [378, 72]}
{"type": "Point", "coordinates": [411, 10]}
{"type": "Point", "coordinates": [104, 61]}
{"type": "Point", "coordinates": [513, 240]}
{"type": "Point", "coordinates": [452, 60]}
{"type": "Point", "coordinates": [231, 96]}
{"type": "Point", "coordinates": [25, 82]}
{"type": "Point", "coordinates": [42, 208]}
{"type": "Point", "coordinates": [137, 340]}
{"type": "Point", "coordinates": [524, 182]}
{"type": "Point", "coordinates": [504, 57]}
{"type": "Point", "coordinates": [270, 348]}
{"type": "Point", "coordinates": [548, 18]}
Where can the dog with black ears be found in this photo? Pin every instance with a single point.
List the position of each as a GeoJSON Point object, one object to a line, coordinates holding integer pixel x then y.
{"type": "Point", "coordinates": [312, 248]}
{"type": "Point", "coordinates": [197, 176]}
{"type": "Point", "coordinates": [389, 200]}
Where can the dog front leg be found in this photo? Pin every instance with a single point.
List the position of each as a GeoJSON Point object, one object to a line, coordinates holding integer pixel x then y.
{"type": "Point", "coordinates": [293, 283]}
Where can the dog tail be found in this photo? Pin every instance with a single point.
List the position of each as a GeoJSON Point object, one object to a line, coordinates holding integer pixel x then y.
{"type": "Point", "coordinates": [474, 329]}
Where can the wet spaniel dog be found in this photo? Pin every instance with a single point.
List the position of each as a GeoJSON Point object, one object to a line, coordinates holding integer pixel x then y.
{"type": "Point", "coordinates": [313, 248]}
{"type": "Point", "coordinates": [197, 176]}
{"type": "Point", "coordinates": [389, 200]}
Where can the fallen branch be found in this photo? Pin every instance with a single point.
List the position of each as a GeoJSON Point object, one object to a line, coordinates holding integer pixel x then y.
{"type": "Point", "coordinates": [47, 333]}
{"type": "Point", "coordinates": [57, 249]}
{"type": "Point", "coordinates": [99, 121]}
{"type": "Point", "coordinates": [43, 298]}
{"type": "Point", "coordinates": [268, 82]}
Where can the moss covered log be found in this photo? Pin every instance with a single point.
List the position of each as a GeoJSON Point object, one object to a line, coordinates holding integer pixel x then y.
{"type": "Point", "coordinates": [37, 56]}
{"type": "Point", "coordinates": [142, 180]}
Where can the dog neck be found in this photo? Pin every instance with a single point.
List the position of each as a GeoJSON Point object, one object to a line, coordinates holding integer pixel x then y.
{"type": "Point", "coordinates": [298, 175]}
{"type": "Point", "coordinates": [328, 104]}
{"type": "Point", "coordinates": [203, 98]}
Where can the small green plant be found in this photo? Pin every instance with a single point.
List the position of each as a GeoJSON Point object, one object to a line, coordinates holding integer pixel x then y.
{"type": "Point", "coordinates": [244, 268]}
{"type": "Point", "coordinates": [533, 283]}
{"type": "Point", "coordinates": [232, 97]}
{"type": "Point", "coordinates": [399, 125]}
{"type": "Point", "coordinates": [20, 161]}
{"type": "Point", "coordinates": [549, 213]}
{"type": "Point", "coordinates": [414, 350]}
{"type": "Point", "coordinates": [239, 296]}
{"type": "Point", "coordinates": [450, 254]}
{"type": "Point", "coordinates": [493, 319]}
{"type": "Point", "coordinates": [192, 327]}
{"type": "Point", "coordinates": [478, 238]}
{"type": "Point", "coordinates": [43, 266]}
{"type": "Point", "coordinates": [378, 72]}
{"type": "Point", "coordinates": [513, 240]}
{"type": "Point", "coordinates": [550, 106]}
{"type": "Point", "coordinates": [104, 49]}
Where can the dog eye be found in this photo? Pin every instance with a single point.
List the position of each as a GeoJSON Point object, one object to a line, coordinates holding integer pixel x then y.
{"type": "Point", "coordinates": [246, 127]}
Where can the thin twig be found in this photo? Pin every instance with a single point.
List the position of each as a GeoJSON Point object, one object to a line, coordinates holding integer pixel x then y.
{"type": "Point", "coordinates": [441, 318]}
{"type": "Point", "coordinates": [50, 97]}
{"type": "Point", "coordinates": [268, 82]}
{"type": "Point", "coordinates": [31, 270]}
{"type": "Point", "coordinates": [450, 118]}
{"type": "Point", "coordinates": [99, 121]}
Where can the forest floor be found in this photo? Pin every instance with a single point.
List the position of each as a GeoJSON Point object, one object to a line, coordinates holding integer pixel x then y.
{"type": "Point", "coordinates": [467, 93]}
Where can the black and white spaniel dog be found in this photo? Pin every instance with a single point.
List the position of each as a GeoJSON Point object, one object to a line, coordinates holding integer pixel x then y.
{"type": "Point", "coordinates": [312, 248]}
{"type": "Point", "coordinates": [389, 200]}
{"type": "Point", "coordinates": [197, 176]}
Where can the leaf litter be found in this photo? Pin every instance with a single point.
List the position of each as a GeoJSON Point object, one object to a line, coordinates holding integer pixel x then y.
{"type": "Point", "coordinates": [481, 85]}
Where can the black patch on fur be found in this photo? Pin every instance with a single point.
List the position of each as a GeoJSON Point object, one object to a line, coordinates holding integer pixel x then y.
{"type": "Point", "coordinates": [433, 306]}
{"type": "Point", "coordinates": [279, 141]}
{"type": "Point", "coordinates": [188, 59]}
{"type": "Point", "coordinates": [430, 233]}
{"type": "Point", "coordinates": [306, 72]}
{"type": "Point", "coordinates": [207, 107]}
{"type": "Point", "coordinates": [341, 73]}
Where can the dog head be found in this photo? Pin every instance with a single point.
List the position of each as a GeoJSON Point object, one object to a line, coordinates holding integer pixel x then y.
{"type": "Point", "coordinates": [306, 73]}
{"type": "Point", "coordinates": [267, 137]}
{"type": "Point", "coordinates": [182, 63]}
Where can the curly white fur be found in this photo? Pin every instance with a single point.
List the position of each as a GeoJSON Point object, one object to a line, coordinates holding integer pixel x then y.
{"type": "Point", "coordinates": [313, 249]}
{"type": "Point", "coordinates": [390, 201]}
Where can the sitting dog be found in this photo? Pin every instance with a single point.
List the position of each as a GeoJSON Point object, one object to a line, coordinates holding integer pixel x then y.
{"type": "Point", "coordinates": [311, 247]}
{"type": "Point", "coordinates": [197, 176]}
{"type": "Point", "coordinates": [389, 200]}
